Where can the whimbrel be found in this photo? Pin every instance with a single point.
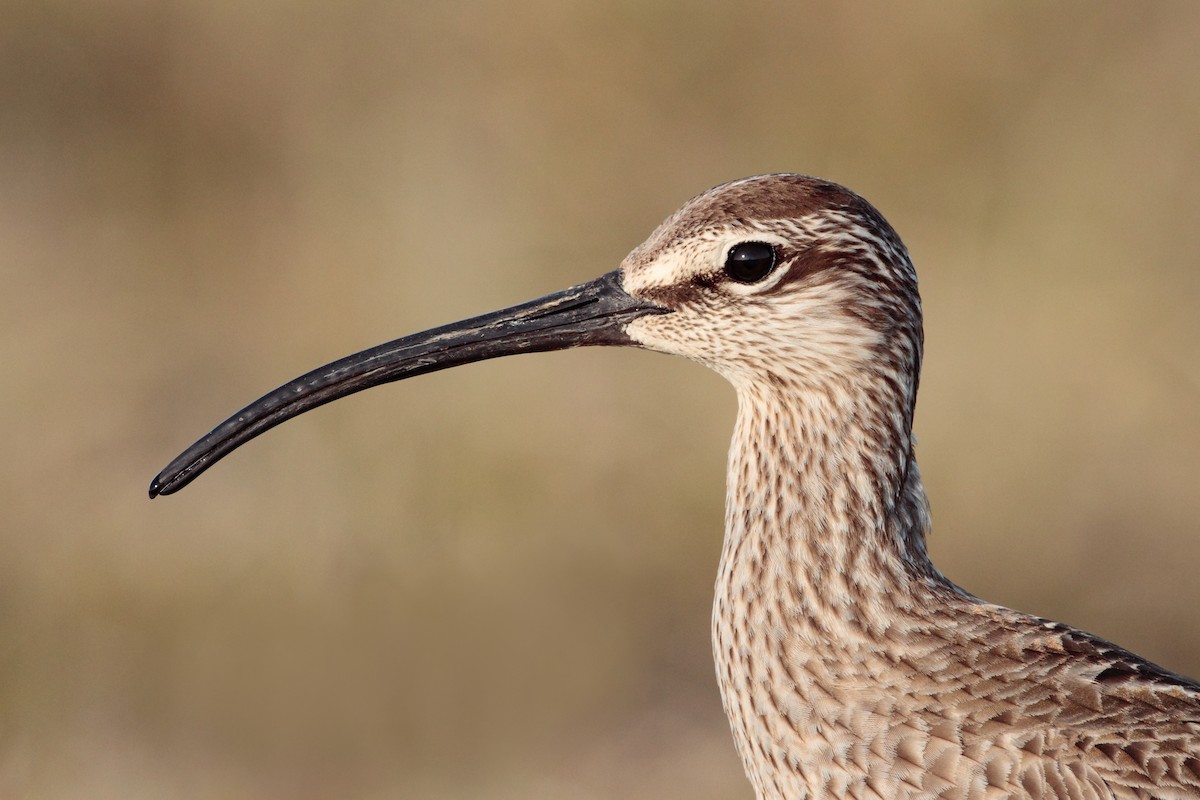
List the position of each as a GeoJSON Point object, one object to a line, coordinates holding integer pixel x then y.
{"type": "Point", "coordinates": [848, 664]}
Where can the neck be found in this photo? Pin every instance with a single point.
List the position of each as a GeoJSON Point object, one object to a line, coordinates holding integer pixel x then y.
{"type": "Point", "coordinates": [824, 558]}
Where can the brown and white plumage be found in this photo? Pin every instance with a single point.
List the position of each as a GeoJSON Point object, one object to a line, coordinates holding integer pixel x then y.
{"type": "Point", "coordinates": [848, 665]}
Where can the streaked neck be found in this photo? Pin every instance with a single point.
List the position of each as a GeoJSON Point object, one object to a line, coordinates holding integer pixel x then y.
{"type": "Point", "coordinates": [824, 555]}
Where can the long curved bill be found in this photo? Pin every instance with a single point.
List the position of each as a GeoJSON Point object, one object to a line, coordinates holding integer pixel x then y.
{"type": "Point", "coordinates": [593, 313]}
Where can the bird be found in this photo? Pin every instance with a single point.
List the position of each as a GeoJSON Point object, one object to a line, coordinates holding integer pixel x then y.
{"type": "Point", "coordinates": [849, 666]}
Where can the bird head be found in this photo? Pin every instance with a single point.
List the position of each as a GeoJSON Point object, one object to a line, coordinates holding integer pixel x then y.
{"type": "Point", "coordinates": [782, 280]}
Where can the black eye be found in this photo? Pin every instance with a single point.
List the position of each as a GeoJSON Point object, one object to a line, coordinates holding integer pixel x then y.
{"type": "Point", "coordinates": [750, 262]}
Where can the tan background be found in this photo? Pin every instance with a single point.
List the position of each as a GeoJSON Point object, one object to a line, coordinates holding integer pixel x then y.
{"type": "Point", "coordinates": [495, 582]}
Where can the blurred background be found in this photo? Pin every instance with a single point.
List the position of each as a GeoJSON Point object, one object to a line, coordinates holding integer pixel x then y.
{"type": "Point", "coordinates": [495, 581]}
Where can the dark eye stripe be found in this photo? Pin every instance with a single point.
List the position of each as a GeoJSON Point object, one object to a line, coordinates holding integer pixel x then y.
{"type": "Point", "coordinates": [801, 263]}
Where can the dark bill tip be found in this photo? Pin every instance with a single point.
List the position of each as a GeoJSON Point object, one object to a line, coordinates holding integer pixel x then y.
{"type": "Point", "coordinates": [593, 313]}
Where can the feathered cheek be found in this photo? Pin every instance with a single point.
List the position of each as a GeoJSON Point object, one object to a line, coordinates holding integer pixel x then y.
{"type": "Point", "coordinates": [662, 333]}
{"type": "Point", "coordinates": [676, 334]}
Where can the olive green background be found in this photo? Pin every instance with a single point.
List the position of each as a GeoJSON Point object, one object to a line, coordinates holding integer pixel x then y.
{"type": "Point", "coordinates": [495, 582]}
